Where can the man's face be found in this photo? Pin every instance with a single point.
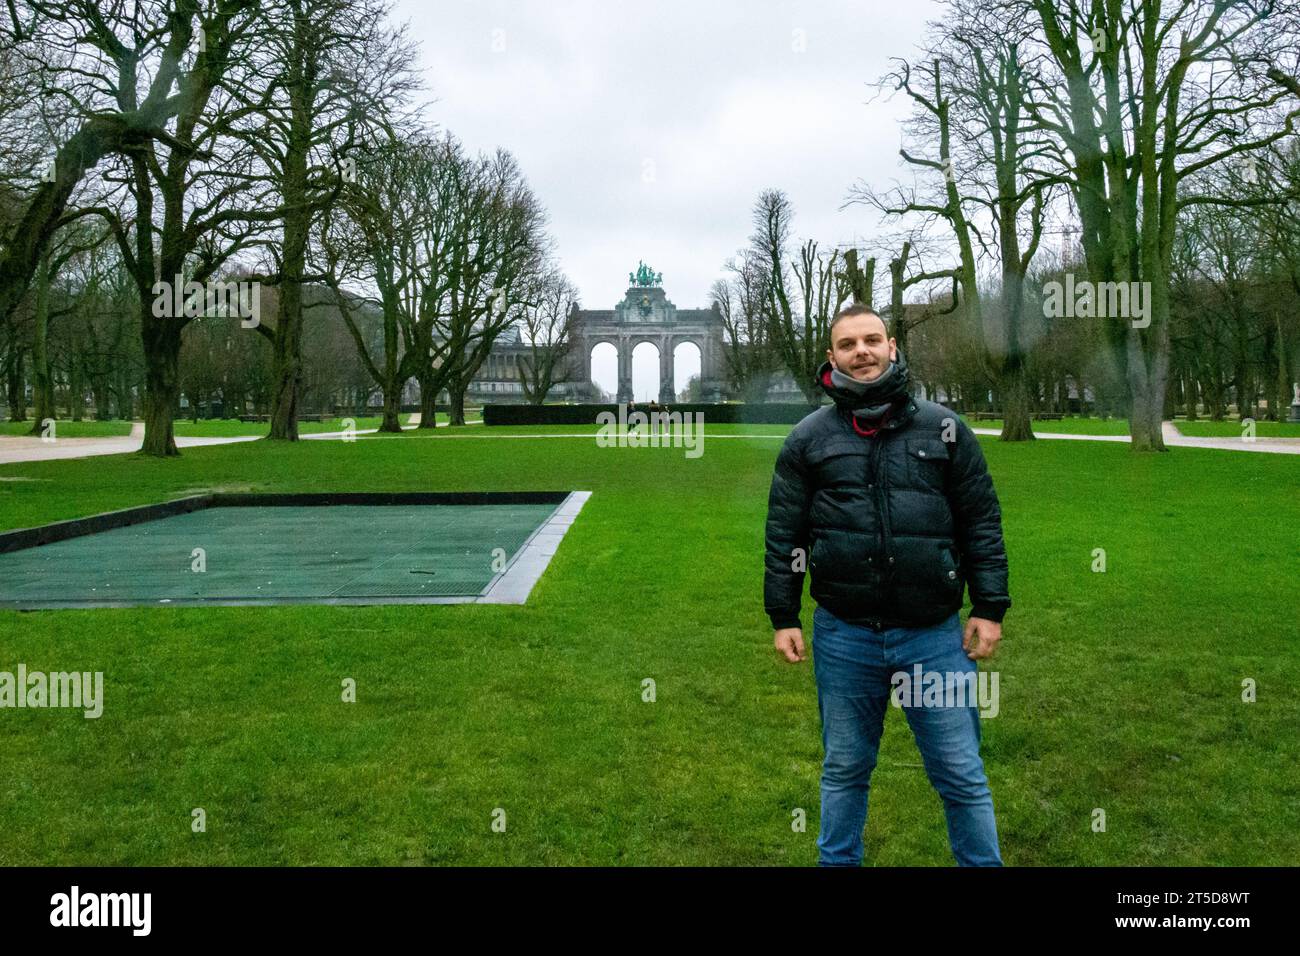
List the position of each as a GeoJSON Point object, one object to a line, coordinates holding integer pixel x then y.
{"type": "Point", "coordinates": [860, 349]}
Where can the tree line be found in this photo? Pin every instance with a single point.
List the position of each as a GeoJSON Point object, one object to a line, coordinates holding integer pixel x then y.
{"type": "Point", "coordinates": [1141, 152]}
{"type": "Point", "coordinates": [151, 151]}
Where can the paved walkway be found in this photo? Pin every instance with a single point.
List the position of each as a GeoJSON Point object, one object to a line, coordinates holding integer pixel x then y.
{"type": "Point", "coordinates": [14, 449]}
{"type": "Point", "coordinates": [1176, 439]}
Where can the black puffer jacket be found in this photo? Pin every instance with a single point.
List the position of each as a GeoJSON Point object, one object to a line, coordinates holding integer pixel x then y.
{"type": "Point", "coordinates": [893, 527]}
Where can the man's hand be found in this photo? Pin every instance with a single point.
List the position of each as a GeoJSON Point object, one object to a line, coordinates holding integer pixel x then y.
{"type": "Point", "coordinates": [981, 638]}
{"type": "Point", "coordinates": [789, 641]}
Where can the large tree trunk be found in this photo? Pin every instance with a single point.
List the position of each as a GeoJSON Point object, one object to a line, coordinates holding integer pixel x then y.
{"type": "Point", "coordinates": [17, 391]}
{"type": "Point", "coordinates": [288, 328]}
{"type": "Point", "coordinates": [287, 366]}
{"type": "Point", "coordinates": [1213, 389]}
{"type": "Point", "coordinates": [1284, 392]}
{"type": "Point", "coordinates": [1014, 389]}
{"type": "Point", "coordinates": [125, 400]}
{"type": "Point", "coordinates": [897, 314]}
{"type": "Point", "coordinates": [1244, 391]}
{"type": "Point", "coordinates": [1144, 423]}
{"type": "Point", "coordinates": [42, 374]}
{"type": "Point", "coordinates": [162, 350]}
{"type": "Point", "coordinates": [428, 404]}
{"type": "Point", "coordinates": [456, 411]}
{"type": "Point", "coordinates": [392, 408]}
{"type": "Point", "coordinates": [1148, 375]}
{"type": "Point", "coordinates": [100, 389]}
{"type": "Point", "coordinates": [76, 390]}
{"type": "Point", "coordinates": [1148, 402]}
{"type": "Point", "coordinates": [1012, 380]}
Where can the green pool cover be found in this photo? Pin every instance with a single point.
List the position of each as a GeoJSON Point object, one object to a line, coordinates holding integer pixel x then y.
{"type": "Point", "coordinates": [273, 554]}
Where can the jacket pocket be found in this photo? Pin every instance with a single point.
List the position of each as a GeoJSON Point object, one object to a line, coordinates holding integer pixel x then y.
{"type": "Point", "coordinates": [951, 570]}
{"type": "Point", "coordinates": [927, 462]}
{"type": "Point", "coordinates": [838, 555]}
{"type": "Point", "coordinates": [839, 464]}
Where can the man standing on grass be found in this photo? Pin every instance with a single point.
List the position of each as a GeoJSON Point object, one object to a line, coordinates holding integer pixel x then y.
{"type": "Point", "coordinates": [887, 499]}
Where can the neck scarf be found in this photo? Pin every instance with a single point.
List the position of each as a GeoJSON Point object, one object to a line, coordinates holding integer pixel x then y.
{"type": "Point", "coordinates": [871, 403]}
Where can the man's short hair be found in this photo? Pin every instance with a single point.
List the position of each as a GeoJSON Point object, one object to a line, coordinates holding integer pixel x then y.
{"type": "Point", "coordinates": [856, 309]}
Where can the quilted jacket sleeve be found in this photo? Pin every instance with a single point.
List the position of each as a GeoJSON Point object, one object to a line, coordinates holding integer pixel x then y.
{"type": "Point", "coordinates": [978, 519]}
{"type": "Point", "coordinates": [786, 539]}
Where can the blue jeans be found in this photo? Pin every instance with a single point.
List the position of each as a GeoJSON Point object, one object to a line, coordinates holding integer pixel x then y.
{"type": "Point", "coordinates": [854, 667]}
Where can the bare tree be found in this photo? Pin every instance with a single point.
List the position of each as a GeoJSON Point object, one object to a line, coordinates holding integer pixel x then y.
{"type": "Point", "coordinates": [501, 248]}
{"type": "Point", "coordinates": [185, 206]}
{"type": "Point", "coordinates": [333, 67]}
{"type": "Point", "coordinates": [449, 189]}
{"type": "Point", "coordinates": [116, 70]}
{"type": "Point", "coordinates": [546, 328]}
{"type": "Point", "coordinates": [69, 244]}
{"type": "Point", "coordinates": [1141, 95]}
{"type": "Point", "coordinates": [975, 149]}
{"type": "Point", "coordinates": [904, 275]}
{"type": "Point", "coordinates": [370, 242]}
{"type": "Point", "coordinates": [742, 300]}
{"type": "Point", "coordinates": [802, 297]}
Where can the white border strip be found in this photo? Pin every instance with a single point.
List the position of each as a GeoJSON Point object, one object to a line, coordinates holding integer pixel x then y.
{"type": "Point", "coordinates": [516, 580]}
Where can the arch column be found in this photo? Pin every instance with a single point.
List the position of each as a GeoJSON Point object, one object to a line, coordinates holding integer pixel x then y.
{"type": "Point", "coordinates": [584, 369]}
{"type": "Point", "coordinates": [710, 374]}
{"type": "Point", "coordinates": [624, 370]}
{"type": "Point", "coordinates": [667, 389]}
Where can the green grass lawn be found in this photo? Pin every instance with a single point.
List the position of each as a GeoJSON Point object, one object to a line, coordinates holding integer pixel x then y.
{"type": "Point", "coordinates": [1203, 428]}
{"type": "Point", "coordinates": [204, 428]}
{"type": "Point", "coordinates": [71, 429]}
{"type": "Point", "coordinates": [231, 427]}
{"type": "Point", "coordinates": [1119, 691]}
{"type": "Point", "coordinates": [495, 431]}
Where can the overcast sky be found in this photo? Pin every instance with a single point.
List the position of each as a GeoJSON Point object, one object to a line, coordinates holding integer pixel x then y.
{"type": "Point", "coordinates": [647, 130]}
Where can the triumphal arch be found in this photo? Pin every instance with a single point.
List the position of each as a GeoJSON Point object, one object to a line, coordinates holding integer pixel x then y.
{"type": "Point", "coordinates": [646, 315]}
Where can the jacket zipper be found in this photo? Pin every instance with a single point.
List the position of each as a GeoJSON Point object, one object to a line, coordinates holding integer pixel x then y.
{"type": "Point", "coordinates": [880, 501]}
{"type": "Point", "coordinates": [879, 484]}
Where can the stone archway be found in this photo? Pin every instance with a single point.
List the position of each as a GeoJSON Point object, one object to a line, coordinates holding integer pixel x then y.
{"type": "Point", "coordinates": [646, 315]}
{"type": "Point", "coordinates": [655, 363]}
{"type": "Point", "coordinates": [608, 356]}
{"type": "Point", "coordinates": [682, 375]}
